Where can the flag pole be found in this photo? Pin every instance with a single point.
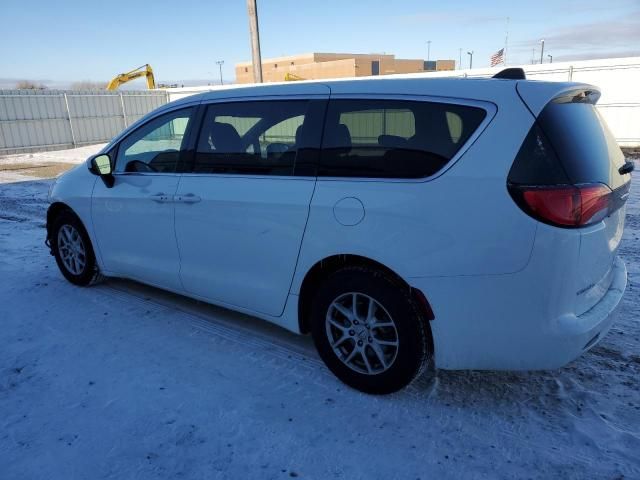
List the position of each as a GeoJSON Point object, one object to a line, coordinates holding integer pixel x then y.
{"type": "Point", "coordinates": [506, 43]}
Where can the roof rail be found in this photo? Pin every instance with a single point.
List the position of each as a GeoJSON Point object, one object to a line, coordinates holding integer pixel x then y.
{"type": "Point", "coordinates": [511, 74]}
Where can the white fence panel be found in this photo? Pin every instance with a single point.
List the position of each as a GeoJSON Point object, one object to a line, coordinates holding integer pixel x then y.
{"type": "Point", "coordinates": [617, 79]}
{"type": "Point", "coordinates": [36, 120]}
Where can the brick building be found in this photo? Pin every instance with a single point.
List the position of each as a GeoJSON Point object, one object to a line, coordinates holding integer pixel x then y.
{"type": "Point", "coordinates": [336, 65]}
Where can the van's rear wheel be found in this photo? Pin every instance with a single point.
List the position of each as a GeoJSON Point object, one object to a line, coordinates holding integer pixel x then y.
{"type": "Point", "coordinates": [71, 246]}
{"type": "Point", "coordinates": [368, 330]}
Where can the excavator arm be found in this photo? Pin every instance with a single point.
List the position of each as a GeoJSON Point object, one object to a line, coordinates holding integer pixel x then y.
{"type": "Point", "coordinates": [143, 71]}
{"type": "Point", "coordinates": [292, 77]}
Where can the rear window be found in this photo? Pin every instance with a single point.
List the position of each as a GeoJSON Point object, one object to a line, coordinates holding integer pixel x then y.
{"type": "Point", "coordinates": [584, 144]}
{"type": "Point", "coordinates": [394, 138]}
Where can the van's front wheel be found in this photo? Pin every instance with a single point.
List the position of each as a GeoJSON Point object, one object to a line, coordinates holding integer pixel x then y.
{"type": "Point", "coordinates": [71, 246]}
{"type": "Point", "coordinates": [368, 330]}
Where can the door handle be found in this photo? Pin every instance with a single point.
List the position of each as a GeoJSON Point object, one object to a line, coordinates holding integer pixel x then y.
{"type": "Point", "coordinates": [188, 198]}
{"type": "Point", "coordinates": [160, 197]}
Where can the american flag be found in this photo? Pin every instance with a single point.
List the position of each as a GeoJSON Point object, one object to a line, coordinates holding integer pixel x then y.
{"type": "Point", "coordinates": [497, 58]}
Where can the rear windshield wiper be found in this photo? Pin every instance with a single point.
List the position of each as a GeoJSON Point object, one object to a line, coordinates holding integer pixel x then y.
{"type": "Point", "coordinates": [628, 167]}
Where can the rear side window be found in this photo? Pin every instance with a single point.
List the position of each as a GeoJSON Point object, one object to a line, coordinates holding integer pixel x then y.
{"type": "Point", "coordinates": [257, 138]}
{"type": "Point", "coordinates": [394, 138]}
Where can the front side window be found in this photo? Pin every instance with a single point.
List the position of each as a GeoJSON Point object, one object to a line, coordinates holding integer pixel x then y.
{"type": "Point", "coordinates": [156, 146]}
{"type": "Point", "coordinates": [255, 137]}
{"type": "Point", "coordinates": [394, 138]}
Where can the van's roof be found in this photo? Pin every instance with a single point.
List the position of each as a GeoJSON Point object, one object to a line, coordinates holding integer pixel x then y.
{"type": "Point", "coordinates": [483, 89]}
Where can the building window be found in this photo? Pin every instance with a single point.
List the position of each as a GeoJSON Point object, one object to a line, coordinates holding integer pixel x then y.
{"type": "Point", "coordinates": [246, 69]}
{"type": "Point", "coordinates": [291, 63]}
{"type": "Point", "coordinates": [275, 65]}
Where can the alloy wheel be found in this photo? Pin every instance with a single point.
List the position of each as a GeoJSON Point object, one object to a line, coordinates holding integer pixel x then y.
{"type": "Point", "coordinates": [71, 249]}
{"type": "Point", "coordinates": [361, 333]}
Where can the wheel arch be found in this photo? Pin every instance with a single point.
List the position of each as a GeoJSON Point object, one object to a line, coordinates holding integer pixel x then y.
{"type": "Point", "coordinates": [55, 209]}
{"type": "Point", "coordinates": [325, 267]}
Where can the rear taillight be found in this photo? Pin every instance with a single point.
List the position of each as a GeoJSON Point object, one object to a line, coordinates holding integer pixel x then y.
{"type": "Point", "coordinates": [568, 206]}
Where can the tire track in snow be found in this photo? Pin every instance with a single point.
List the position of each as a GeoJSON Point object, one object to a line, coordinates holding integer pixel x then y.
{"type": "Point", "coordinates": [213, 326]}
{"type": "Point", "coordinates": [263, 346]}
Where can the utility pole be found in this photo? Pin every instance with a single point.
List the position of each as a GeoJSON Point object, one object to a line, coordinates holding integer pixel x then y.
{"type": "Point", "coordinates": [470, 59]}
{"type": "Point", "coordinates": [550, 58]}
{"type": "Point", "coordinates": [533, 56]}
{"type": "Point", "coordinates": [541, 51]}
{"type": "Point", "coordinates": [428, 50]}
{"type": "Point", "coordinates": [506, 44]}
{"type": "Point", "coordinates": [255, 40]}
{"type": "Point", "coordinates": [460, 58]}
{"type": "Point", "coordinates": [220, 63]}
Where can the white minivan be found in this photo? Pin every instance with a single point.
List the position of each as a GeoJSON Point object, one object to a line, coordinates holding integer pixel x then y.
{"type": "Point", "coordinates": [472, 222]}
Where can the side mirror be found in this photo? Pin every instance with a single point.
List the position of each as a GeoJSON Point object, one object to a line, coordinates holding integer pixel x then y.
{"type": "Point", "coordinates": [101, 165]}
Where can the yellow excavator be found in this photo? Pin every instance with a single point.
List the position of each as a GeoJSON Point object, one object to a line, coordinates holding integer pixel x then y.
{"type": "Point", "coordinates": [143, 71]}
{"type": "Point", "coordinates": [292, 77]}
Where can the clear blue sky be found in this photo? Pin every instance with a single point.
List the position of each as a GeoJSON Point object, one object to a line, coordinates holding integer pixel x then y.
{"type": "Point", "coordinates": [77, 40]}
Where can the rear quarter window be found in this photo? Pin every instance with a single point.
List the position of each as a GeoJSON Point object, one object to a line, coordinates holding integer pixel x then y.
{"type": "Point", "coordinates": [394, 138]}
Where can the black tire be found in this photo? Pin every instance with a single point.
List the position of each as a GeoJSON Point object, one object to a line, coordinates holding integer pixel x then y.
{"type": "Point", "coordinates": [412, 330]}
{"type": "Point", "coordinates": [89, 274]}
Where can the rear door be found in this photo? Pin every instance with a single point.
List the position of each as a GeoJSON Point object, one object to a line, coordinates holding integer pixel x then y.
{"type": "Point", "coordinates": [133, 219]}
{"type": "Point", "coordinates": [241, 212]}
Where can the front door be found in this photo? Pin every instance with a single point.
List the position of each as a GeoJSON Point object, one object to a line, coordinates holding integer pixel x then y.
{"type": "Point", "coordinates": [134, 219]}
{"type": "Point", "coordinates": [241, 213]}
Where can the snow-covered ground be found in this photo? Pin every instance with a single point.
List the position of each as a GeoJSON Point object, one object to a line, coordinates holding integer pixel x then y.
{"type": "Point", "coordinates": [32, 166]}
{"type": "Point", "coordinates": [124, 381]}
{"type": "Point", "coordinates": [75, 155]}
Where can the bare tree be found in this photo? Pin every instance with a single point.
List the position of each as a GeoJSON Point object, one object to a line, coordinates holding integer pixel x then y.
{"type": "Point", "coordinates": [29, 85]}
{"type": "Point", "coordinates": [88, 85]}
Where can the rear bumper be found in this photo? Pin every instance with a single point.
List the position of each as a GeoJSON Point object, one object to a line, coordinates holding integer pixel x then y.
{"type": "Point", "coordinates": [577, 334]}
{"type": "Point", "coordinates": [501, 323]}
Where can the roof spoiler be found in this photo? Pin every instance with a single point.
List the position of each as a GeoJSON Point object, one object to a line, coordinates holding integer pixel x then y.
{"type": "Point", "coordinates": [511, 74]}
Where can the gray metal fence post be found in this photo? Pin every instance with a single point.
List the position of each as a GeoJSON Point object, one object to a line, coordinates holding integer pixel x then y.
{"type": "Point", "coordinates": [570, 72]}
{"type": "Point", "coordinates": [124, 112]}
{"type": "Point", "coordinates": [73, 135]}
